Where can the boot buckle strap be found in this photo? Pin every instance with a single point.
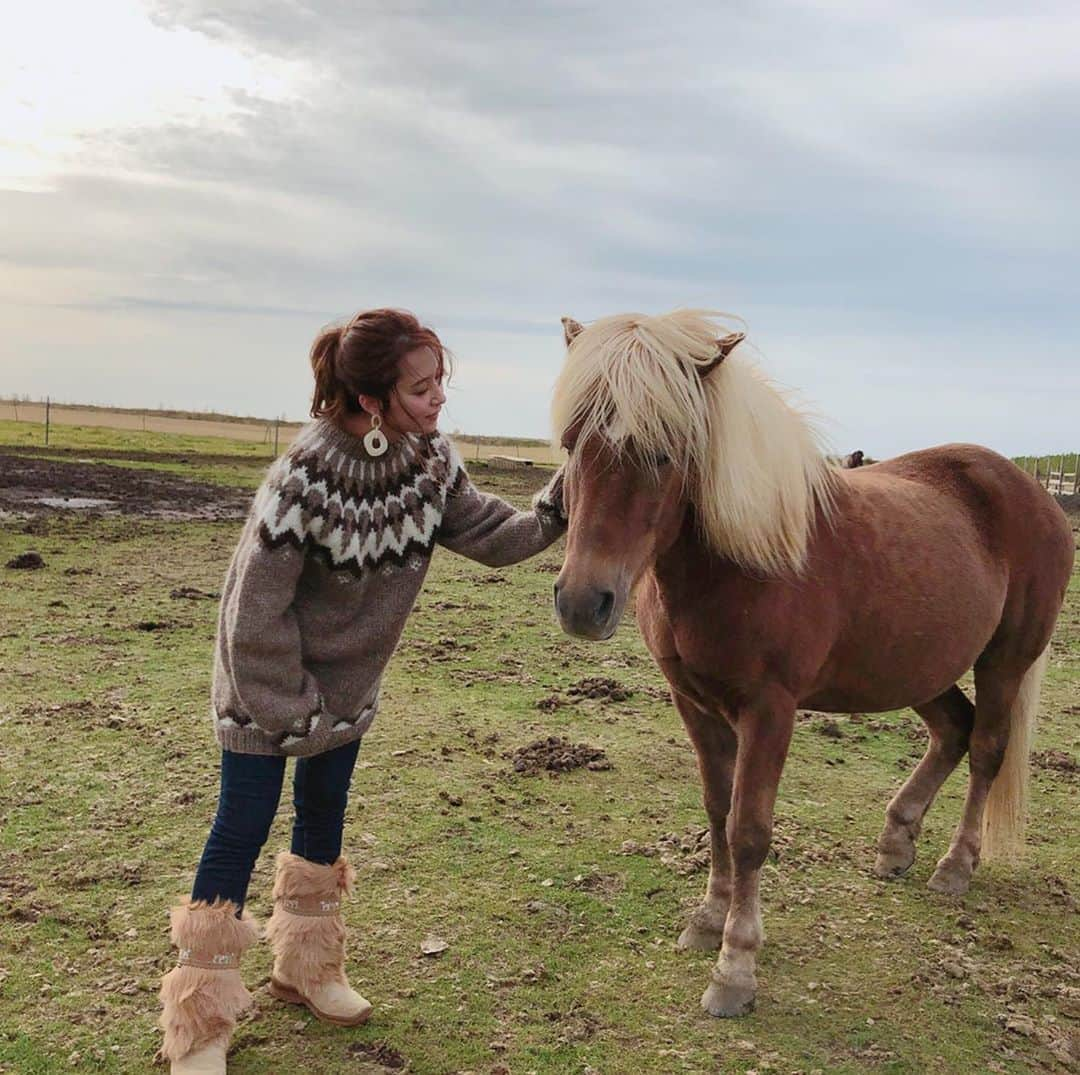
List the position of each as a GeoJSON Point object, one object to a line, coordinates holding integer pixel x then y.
{"type": "Point", "coordinates": [311, 906]}
{"type": "Point", "coordinates": [191, 957]}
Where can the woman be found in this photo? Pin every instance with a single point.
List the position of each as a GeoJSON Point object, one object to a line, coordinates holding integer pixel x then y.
{"type": "Point", "coordinates": [327, 569]}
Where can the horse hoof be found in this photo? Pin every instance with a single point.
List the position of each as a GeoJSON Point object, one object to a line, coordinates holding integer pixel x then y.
{"type": "Point", "coordinates": [948, 881]}
{"type": "Point", "coordinates": [728, 1001]}
{"type": "Point", "coordinates": [895, 853]}
{"type": "Point", "coordinates": [696, 939]}
{"type": "Point", "coordinates": [889, 867]}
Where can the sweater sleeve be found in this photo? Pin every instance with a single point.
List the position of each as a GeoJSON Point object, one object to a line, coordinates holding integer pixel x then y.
{"type": "Point", "coordinates": [259, 646]}
{"type": "Point", "coordinates": [483, 527]}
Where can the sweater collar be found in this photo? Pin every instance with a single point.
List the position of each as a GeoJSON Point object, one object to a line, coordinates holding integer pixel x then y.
{"type": "Point", "coordinates": [333, 436]}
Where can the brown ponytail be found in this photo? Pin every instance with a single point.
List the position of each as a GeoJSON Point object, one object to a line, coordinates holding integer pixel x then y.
{"type": "Point", "coordinates": [329, 397]}
{"type": "Point", "coordinates": [363, 357]}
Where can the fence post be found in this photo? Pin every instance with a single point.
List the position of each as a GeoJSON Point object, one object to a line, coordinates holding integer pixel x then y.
{"type": "Point", "coordinates": [48, 404]}
{"type": "Point", "coordinates": [277, 423]}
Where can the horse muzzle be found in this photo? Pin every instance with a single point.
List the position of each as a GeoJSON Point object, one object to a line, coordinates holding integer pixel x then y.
{"type": "Point", "coordinates": [588, 611]}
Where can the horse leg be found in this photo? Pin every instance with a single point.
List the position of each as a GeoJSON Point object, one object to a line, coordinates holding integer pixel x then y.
{"type": "Point", "coordinates": [715, 745]}
{"type": "Point", "coordinates": [996, 690]}
{"type": "Point", "coordinates": [949, 719]}
{"type": "Point", "coordinates": [764, 733]}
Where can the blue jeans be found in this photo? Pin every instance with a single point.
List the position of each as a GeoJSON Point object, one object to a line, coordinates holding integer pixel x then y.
{"type": "Point", "coordinates": [250, 792]}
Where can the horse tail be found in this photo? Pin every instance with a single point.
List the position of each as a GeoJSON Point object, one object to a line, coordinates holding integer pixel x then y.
{"type": "Point", "coordinates": [1006, 805]}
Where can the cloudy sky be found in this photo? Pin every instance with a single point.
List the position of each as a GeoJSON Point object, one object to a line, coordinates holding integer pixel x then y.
{"type": "Point", "coordinates": [885, 192]}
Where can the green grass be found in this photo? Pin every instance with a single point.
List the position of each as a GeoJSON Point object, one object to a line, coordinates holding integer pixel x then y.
{"type": "Point", "coordinates": [562, 955]}
{"type": "Point", "coordinates": [28, 434]}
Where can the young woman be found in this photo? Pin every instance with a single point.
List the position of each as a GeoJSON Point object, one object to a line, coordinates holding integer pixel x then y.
{"type": "Point", "coordinates": [326, 571]}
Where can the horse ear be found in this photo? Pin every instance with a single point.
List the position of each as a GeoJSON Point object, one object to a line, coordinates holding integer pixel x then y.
{"type": "Point", "coordinates": [570, 329]}
{"type": "Point", "coordinates": [726, 345]}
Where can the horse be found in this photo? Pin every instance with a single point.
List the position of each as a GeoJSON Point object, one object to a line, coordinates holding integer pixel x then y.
{"type": "Point", "coordinates": [768, 580]}
{"type": "Point", "coordinates": [853, 460]}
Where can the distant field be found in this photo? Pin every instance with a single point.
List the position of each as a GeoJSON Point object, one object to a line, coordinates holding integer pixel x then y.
{"type": "Point", "coordinates": [74, 427]}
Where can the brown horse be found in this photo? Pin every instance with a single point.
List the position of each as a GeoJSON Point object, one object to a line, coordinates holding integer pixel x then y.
{"type": "Point", "coordinates": [768, 580]}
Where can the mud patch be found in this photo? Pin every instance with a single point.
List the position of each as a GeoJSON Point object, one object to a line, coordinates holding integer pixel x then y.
{"type": "Point", "coordinates": [689, 851]}
{"type": "Point", "coordinates": [377, 1052]}
{"type": "Point", "coordinates": [684, 852]}
{"type": "Point", "coordinates": [191, 593]}
{"type": "Point", "coordinates": [443, 649]}
{"type": "Point", "coordinates": [78, 715]}
{"type": "Point", "coordinates": [1059, 760]}
{"type": "Point", "coordinates": [31, 485]}
{"type": "Point", "coordinates": [556, 755]}
{"type": "Point", "coordinates": [26, 561]}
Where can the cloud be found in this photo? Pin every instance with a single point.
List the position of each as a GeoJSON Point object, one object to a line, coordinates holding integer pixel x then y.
{"type": "Point", "coordinates": [884, 191]}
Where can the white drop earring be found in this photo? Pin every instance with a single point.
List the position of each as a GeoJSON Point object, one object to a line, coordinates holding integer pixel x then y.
{"type": "Point", "coordinates": [375, 442]}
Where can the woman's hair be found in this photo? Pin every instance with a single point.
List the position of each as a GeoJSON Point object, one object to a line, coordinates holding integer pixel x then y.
{"type": "Point", "coordinates": [363, 357]}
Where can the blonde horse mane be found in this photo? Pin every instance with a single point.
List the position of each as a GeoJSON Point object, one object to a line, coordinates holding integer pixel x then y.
{"type": "Point", "coordinates": [753, 462]}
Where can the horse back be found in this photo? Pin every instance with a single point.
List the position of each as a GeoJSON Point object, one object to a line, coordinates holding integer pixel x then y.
{"type": "Point", "coordinates": [923, 562]}
{"type": "Point", "coordinates": [1018, 527]}
{"type": "Point", "coordinates": [1016, 520]}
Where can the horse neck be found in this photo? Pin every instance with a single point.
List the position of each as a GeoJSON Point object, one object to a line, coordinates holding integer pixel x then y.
{"type": "Point", "coordinates": [687, 562]}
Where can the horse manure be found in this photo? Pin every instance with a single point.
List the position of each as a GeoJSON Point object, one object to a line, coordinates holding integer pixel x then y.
{"type": "Point", "coordinates": [557, 755]}
{"type": "Point", "coordinates": [601, 687]}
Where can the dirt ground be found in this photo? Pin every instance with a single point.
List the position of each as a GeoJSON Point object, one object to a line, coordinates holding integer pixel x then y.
{"type": "Point", "coordinates": [32, 485]}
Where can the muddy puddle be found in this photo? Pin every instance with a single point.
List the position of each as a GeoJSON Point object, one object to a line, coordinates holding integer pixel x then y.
{"type": "Point", "coordinates": [31, 485]}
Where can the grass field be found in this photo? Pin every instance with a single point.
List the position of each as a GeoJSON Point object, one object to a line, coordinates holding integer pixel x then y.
{"type": "Point", "coordinates": [79, 427]}
{"type": "Point", "coordinates": [560, 897]}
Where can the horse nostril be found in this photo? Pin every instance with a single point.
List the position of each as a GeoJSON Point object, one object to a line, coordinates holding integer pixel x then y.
{"type": "Point", "coordinates": [604, 606]}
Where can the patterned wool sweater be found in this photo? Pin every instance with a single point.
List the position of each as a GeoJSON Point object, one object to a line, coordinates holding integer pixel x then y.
{"type": "Point", "coordinates": [328, 568]}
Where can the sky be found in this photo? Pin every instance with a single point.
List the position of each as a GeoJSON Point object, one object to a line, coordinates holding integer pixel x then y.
{"type": "Point", "coordinates": [886, 193]}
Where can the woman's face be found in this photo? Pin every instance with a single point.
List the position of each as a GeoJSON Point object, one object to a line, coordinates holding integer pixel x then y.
{"type": "Point", "coordinates": [418, 396]}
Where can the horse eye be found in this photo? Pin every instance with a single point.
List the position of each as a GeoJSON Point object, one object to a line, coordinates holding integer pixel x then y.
{"type": "Point", "coordinates": [661, 460]}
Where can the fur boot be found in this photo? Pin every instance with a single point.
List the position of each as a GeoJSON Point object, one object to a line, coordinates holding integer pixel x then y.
{"type": "Point", "coordinates": [308, 937]}
{"type": "Point", "coordinates": [202, 996]}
